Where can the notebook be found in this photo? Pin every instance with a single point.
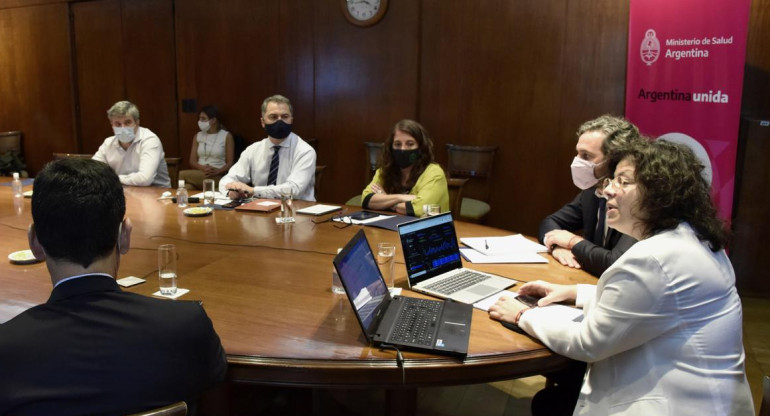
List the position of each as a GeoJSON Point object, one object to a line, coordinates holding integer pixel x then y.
{"type": "Point", "coordinates": [433, 264]}
{"type": "Point", "coordinates": [260, 205]}
{"type": "Point", "coordinates": [420, 324]}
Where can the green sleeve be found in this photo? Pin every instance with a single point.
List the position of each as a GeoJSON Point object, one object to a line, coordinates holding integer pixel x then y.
{"type": "Point", "coordinates": [431, 188]}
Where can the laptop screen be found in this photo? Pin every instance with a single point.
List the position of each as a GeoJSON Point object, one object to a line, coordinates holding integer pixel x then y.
{"type": "Point", "coordinates": [430, 247]}
{"type": "Point", "coordinates": [363, 282]}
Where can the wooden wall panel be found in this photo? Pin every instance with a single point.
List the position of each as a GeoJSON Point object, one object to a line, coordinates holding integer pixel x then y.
{"type": "Point", "coordinates": [149, 64]}
{"type": "Point", "coordinates": [490, 75]}
{"type": "Point", "coordinates": [35, 80]}
{"type": "Point", "coordinates": [99, 51]}
{"type": "Point", "coordinates": [756, 81]}
{"type": "Point", "coordinates": [238, 53]}
{"type": "Point", "coordinates": [366, 80]}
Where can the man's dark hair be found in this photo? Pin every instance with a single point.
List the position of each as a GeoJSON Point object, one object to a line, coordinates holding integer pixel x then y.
{"type": "Point", "coordinates": [77, 207]}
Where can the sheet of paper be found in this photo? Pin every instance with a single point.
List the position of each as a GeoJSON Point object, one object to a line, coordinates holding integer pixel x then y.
{"type": "Point", "coordinates": [319, 209]}
{"type": "Point", "coordinates": [130, 281]}
{"type": "Point", "coordinates": [503, 245]}
{"type": "Point", "coordinates": [217, 195]}
{"type": "Point", "coordinates": [474, 256]}
{"type": "Point", "coordinates": [179, 292]}
{"type": "Point", "coordinates": [267, 203]}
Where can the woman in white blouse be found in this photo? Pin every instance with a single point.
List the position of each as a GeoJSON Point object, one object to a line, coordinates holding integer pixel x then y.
{"type": "Point", "coordinates": [662, 329]}
{"type": "Point", "coordinates": [211, 154]}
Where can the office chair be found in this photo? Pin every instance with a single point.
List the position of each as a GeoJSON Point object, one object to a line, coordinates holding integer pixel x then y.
{"type": "Point", "coordinates": [12, 153]}
{"type": "Point", "coordinates": [474, 163]}
{"type": "Point", "coordinates": [455, 186]}
{"type": "Point", "coordinates": [59, 156]}
{"type": "Point", "coordinates": [10, 140]}
{"type": "Point", "coordinates": [176, 409]}
{"type": "Point", "coordinates": [373, 150]}
{"type": "Point", "coordinates": [319, 171]}
{"type": "Point", "coordinates": [173, 169]}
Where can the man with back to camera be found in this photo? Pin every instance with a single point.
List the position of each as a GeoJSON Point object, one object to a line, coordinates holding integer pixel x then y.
{"type": "Point", "coordinates": [134, 153]}
{"type": "Point", "coordinates": [92, 348]}
{"type": "Point", "coordinates": [282, 161]}
{"type": "Point", "coordinates": [599, 245]}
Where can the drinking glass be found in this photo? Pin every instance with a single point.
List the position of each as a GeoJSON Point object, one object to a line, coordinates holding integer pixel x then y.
{"type": "Point", "coordinates": [433, 209]}
{"type": "Point", "coordinates": [386, 252]}
{"type": "Point", "coordinates": [287, 209]}
{"type": "Point", "coordinates": [167, 269]}
{"type": "Point", "coordinates": [208, 191]}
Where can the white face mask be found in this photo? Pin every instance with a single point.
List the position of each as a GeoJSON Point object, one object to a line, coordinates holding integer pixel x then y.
{"type": "Point", "coordinates": [204, 125]}
{"type": "Point", "coordinates": [583, 173]}
{"type": "Point", "coordinates": [124, 134]}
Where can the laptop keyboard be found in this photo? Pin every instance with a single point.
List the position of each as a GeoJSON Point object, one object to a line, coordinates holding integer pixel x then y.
{"type": "Point", "coordinates": [456, 283]}
{"type": "Point", "coordinates": [416, 322]}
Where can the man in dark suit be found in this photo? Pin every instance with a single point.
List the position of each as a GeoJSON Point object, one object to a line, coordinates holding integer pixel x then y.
{"type": "Point", "coordinates": [92, 348]}
{"type": "Point", "coordinates": [599, 246]}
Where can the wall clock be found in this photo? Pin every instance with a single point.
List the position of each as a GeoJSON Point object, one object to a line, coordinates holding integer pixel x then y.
{"type": "Point", "coordinates": [364, 12]}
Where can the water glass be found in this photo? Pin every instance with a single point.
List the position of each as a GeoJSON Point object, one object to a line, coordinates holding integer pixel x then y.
{"type": "Point", "coordinates": [167, 268]}
{"type": "Point", "coordinates": [386, 252]}
{"type": "Point", "coordinates": [287, 209]}
{"type": "Point", "coordinates": [433, 209]}
{"type": "Point", "coordinates": [208, 191]}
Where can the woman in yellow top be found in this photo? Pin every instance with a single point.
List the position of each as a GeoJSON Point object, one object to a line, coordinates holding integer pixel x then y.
{"type": "Point", "coordinates": [407, 177]}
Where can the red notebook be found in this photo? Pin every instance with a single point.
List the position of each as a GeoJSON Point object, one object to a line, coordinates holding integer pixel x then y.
{"type": "Point", "coordinates": [260, 205]}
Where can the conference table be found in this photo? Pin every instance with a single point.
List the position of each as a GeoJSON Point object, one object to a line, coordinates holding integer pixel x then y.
{"type": "Point", "coordinates": [266, 287]}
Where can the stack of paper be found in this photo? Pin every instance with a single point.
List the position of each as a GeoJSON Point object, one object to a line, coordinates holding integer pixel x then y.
{"type": "Point", "coordinates": [508, 249]}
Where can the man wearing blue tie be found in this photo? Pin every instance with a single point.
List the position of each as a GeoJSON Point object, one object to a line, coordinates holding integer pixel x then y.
{"type": "Point", "coordinates": [279, 163]}
{"type": "Point", "coordinates": [599, 246]}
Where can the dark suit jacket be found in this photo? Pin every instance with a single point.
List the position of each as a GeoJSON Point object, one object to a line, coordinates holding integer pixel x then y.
{"type": "Point", "coordinates": [93, 349]}
{"type": "Point", "coordinates": [581, 214]}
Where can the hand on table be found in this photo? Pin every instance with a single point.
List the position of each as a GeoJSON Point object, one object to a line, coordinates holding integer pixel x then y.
{"type": "Point", "coordinates": [565, 257]}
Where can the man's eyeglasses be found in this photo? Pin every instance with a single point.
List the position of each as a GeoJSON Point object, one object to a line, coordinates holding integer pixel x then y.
{"type": "Point", "coordinates": [272, 118]}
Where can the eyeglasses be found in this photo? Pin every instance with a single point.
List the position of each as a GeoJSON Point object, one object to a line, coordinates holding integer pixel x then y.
{"type": "Point", "coordinates": [272, 118]}
{"type": "Point", "coordinates": [341, 221]}
{"type": "Point", "coordinates": [619, 183]}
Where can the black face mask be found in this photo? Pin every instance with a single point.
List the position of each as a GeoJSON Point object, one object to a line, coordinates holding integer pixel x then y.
{"type": "Point", "coordinates": [278, 130]}
{"type": "Point", "coordinates": [405, 158]}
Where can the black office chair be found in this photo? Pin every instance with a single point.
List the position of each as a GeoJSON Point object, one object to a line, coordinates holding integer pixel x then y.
{"type": "Point", "coordinates": [373, 150]}
{"type": "Point", "coordinates": [474, 163]}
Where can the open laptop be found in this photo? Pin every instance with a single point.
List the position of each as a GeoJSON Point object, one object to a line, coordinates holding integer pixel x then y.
{"type": "Point", "coordinates": [422, 324]}
{"type": "Point", "coordinates": [433, 263]}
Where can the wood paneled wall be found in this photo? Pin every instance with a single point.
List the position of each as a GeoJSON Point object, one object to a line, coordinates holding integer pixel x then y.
{"type": "Point", "coordinates": [517, 74]}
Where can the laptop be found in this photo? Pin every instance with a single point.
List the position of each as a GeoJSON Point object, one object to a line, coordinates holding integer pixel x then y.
{"type": "Point", "coordinates": [419, 324]}
{"type": "Point", "coordinates": [433, 264]}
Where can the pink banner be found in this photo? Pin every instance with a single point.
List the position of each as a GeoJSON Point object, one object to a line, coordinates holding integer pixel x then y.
{"type": "Point", "coordinates": [685, 78]}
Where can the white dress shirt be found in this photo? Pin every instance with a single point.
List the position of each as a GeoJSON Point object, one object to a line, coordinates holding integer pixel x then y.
{"type": "Point", "coordinates": [661, 332]}
{"type": "Point", "coordinates": [296, 169]}
{"type": "Point", "coordinates": [142, 164]}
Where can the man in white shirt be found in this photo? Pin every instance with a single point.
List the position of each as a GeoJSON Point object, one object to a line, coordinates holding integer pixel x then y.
{"type": "Point", "coordinates": [134, 153]}
{"type": "Point", "coordinates": [280, 162]}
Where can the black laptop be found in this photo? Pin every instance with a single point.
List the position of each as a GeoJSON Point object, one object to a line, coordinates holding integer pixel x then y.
{"type": "Point", "coordinates": [419, 324]}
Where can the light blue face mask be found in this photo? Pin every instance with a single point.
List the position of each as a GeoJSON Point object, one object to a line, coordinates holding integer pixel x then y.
{"type": "Point", "coordinates": [124, 134]}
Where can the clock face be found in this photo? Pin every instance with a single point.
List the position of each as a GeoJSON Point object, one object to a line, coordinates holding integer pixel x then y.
{"type": "Point", "coordinates": [364, 12]}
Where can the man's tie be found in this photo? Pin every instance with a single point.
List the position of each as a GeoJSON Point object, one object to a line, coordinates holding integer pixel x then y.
{"type": "Point", "coordinates": [271, 178]}
{"type": "Point", "coordinates": [602, 215]}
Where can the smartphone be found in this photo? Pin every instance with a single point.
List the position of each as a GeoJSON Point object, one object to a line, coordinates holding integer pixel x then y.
{"type": "Point", "coordinates": [363, 215]}
{"type": "Point", "coordinates": [530, 301]}
{"type": "Point", "coordinates": [232, 204]}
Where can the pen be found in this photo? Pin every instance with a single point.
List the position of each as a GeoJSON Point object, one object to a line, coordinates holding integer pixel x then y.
{"type": "Point", "coordinates": [486, 244]}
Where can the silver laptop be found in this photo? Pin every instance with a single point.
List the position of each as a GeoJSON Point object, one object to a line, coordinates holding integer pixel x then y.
{"type": "Point", "coordinates": [434, 265]}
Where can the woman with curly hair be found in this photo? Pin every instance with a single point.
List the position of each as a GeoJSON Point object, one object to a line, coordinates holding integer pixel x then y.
{"type": "Point", "coordinates": [407, 177]}
{"type": "Point", "coordinates": [661, 330]}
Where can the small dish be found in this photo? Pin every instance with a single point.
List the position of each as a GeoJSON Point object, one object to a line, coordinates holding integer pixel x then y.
{"type": "Point", "coordinates": [23, 257]}
{"type": "Point", "coordinates": [197, 211]}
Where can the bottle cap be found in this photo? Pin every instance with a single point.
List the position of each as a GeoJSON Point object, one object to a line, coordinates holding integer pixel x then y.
{"type": "Point", "coordinates": [15, 175]}
{"type": "Point", "coordinates": [338, 250]}
{"type": "Point", "coordinates": [181, 183]}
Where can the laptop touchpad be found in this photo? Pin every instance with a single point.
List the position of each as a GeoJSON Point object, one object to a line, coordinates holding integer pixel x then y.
{"type": "Point", "coordinates": [482, 290]}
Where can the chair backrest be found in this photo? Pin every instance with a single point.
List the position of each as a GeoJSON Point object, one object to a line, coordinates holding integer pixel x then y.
{"type": "Point", "coordinates": [455, 186]}
{"type": "Point", "coordinates": [313, 143]}
{"type": "Point", "coordinates": [57, 156]}
{"type": "Point", "coordinates": [319, 172]}
{"type": "Point", "coordinates": [764, 408]}
{"type": "Point", "coordinates": [10, 140]}
{"type": "Point", "coordinates": [176, 409]}
{"type": "Point", "coordinates": [239, 145]}
{"type": "Point", "coordinates": [173, 169]}
{"type": "Point", "coordinates": [475, 163]}
{"type": "Point", "coordinates": [373, 150]}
